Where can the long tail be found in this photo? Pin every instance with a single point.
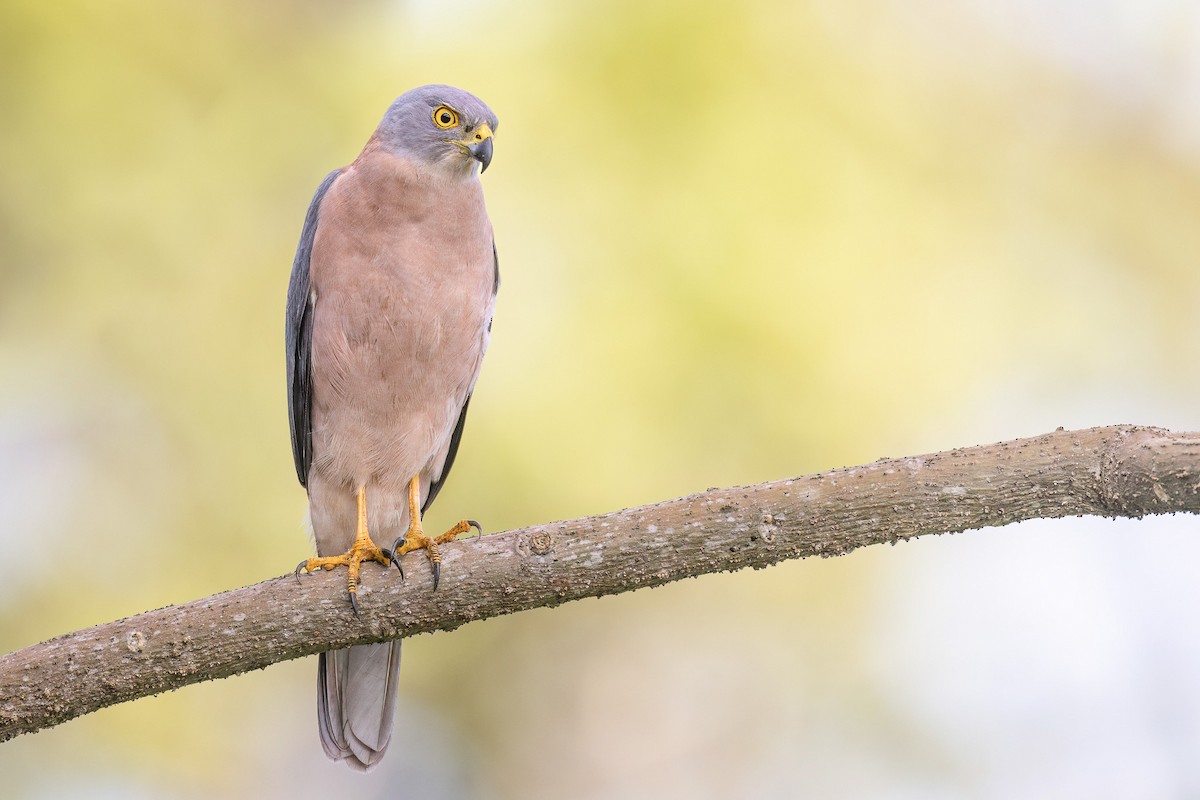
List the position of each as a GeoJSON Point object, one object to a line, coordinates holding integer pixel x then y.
{"type": "Point", "coordinates": [356, 702]}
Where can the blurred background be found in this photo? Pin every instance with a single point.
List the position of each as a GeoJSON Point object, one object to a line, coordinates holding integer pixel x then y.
{"type": "Point", "coordinates": [740, 241]}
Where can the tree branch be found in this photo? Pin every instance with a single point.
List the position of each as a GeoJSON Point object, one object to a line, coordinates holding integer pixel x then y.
{"type": "Point", "coordinates": [1121, 471]}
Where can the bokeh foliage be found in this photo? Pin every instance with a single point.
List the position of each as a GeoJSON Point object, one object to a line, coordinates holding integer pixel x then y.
{"type": "Point", "coordinates": [738, 241]}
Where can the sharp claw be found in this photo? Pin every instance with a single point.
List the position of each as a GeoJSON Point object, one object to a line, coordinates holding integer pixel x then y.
{"type": "Point", "coordinates": [354, 602]}
{"type": "Point", "coordinates": [476, 526]}
{"type": "Point", "coordinates": [437, 574]}
{"type": "Point", "coordinates": [390, 555]}
{"type": "Point", "coordinates": [396, 545]}
{"type": "Point", "coordinates": [299, 567]}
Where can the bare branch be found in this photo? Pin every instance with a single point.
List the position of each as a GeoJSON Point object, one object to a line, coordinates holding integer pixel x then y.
{"type": "Point", "coordinates": [1121, 471]}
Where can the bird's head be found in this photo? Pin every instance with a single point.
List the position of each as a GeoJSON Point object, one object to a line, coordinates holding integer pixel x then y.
{"type": "Point", "coordinates": [442, 127]}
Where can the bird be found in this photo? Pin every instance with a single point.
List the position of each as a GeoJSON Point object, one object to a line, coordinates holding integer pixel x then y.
{"type": "Point", "coordinates": [389, 314]}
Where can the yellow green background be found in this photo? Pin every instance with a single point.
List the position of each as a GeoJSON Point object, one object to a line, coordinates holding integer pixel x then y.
{"type": "Point", "coordinates": [739, 241]}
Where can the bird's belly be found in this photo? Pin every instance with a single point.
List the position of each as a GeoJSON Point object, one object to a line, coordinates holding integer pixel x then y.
{"type": "Point", "coordinates": [390, 378]}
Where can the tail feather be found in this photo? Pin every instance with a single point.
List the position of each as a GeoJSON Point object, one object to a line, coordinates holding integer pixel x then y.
{"type": "Point", "coordinates": [356, 702]}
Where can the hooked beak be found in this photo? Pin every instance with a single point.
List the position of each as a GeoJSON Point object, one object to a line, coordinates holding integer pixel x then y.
{"type": "Point", "coordinates": [479, 146]}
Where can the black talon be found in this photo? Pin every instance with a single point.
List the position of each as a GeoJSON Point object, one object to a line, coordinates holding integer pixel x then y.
{"type": "Point", "coordinates": [354, 602]}
{"type": "Point", "coordinates": [437, 574]}
{"type": "Point", "coordinates": [299, 567]}
{"type": "Point", "coordinates": [476, 526]}
{"type": "Point", "coordinates": [396, 545]}
{"type": "Point", "coordinates": [393, 559]}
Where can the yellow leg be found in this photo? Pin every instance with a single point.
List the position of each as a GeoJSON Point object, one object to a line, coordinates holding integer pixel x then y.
{"type": "Point", "coordinates": [362, 550]}
{"type": "Point", "coordinates": [415, 539]}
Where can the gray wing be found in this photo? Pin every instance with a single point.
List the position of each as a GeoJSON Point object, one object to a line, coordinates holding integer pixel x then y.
{"type": "Point", "coordinates": [456, 437]}
{"type": "Point", "coordinates": [298, 337]}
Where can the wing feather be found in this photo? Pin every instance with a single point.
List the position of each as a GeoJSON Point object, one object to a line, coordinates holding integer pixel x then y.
{"type": "Point", "coordinates": [298, 337]}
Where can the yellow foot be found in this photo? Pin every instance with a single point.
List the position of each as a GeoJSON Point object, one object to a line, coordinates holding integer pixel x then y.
{"type": "Point", "coordinates": [362, 550]}
{"type": "Point", "coordinates": [415, 539]}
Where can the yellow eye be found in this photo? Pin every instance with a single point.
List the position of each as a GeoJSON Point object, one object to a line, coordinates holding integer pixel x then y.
{"type": "Point", "coordinates": [445, 117]}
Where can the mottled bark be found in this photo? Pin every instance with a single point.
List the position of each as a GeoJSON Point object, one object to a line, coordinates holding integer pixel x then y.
{"type": "Point", "coordinates": [1121, 471]}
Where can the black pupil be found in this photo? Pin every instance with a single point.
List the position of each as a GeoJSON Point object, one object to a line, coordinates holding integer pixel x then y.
{"type": "Point", "coordinates": [445, 118]}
